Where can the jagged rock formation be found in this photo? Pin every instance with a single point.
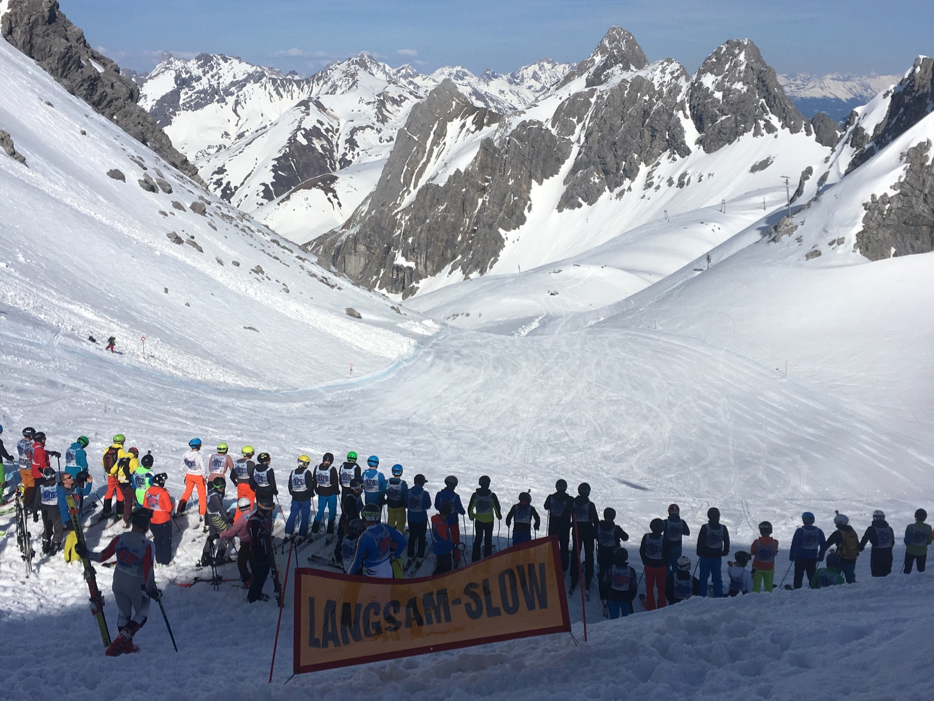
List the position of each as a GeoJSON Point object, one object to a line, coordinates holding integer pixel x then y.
{"type": "Point", "coordinates": [826, 131]}
{"type": "Point", "coordinates": [6, 143]}
{"type": "Point", "coordinates": [40, 30]}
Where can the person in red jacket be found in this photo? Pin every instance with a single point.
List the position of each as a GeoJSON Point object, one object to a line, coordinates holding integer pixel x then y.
{"type": "Point", "coordinates": [159, 502]}
{"type": "Point", "coordinates": [40, 462]}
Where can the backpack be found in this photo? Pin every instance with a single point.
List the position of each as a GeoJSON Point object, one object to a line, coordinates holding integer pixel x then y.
{"type": "Point", "coordinates": [110, 460]}
{"type": "Point", "coordinates": [849, 547]}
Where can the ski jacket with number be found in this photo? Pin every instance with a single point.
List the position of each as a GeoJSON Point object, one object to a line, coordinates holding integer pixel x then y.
{"type": "Point", "coordinates": [242, 471]}
{"type": "Point", "coordinates": [134, 558]}
{"type": "Point", "coordinates": [397, 493]}
{"type": "Point", "coordinates": [880, 534]}
{"type": "Point", "coordinates": [586, 514]}
{"type": "Point", "coordinates": [449, 496]}
{"type": "Point", "coordinates": [655, 550]}
{"type": "Point", "coordinates": [375, 547]}
{"type": "Point", "coordinates": [523, 515]}
{"type": "Point", "coordinates": [917, 537]}
{"type": "Point", "coordinates": [220, 464]}
{"type": "Point", "coordinates": [442, 540]}
{"type": "Point", "coordinates": [418, 501]}
{"type": "Point", "coordinates": [558, 506]}
{"type": "Point", "coordinates": [326, 481]}
{"type": "Point", "coordinates": [193, 464]}
{"type": "Point", "coordinates": [348, 471]}
{"type": "Point", "coordinates": [713, 540]}
{"type": "Point", "coordinates": [676, 529]}
{"type": "Point", "coordinates": [680, 586]}
{"type": "Point", "coordinates": [263, 481]}
{"type": "Point", "coordinates": [609, 536]}
{"type": "Point", "coordinates": [160, 503]}
{"type": "Point", "coordinates": [847, 543]}
{"type": "Point", "coordinates": [374, 486]}
{"type": "Point", "coordinates": [301, 484]}
{"type": "Point", "coordinates": [764, 550]}
{"type": "Point", "coordinates": [740, 579]}
{"type": "Point", "coordinates": [483, 506]}
{"type": "Point", "coordinates": [40, 460]}
{"type": "Point", "coordinates": [620, 583]}
{"type": "Point", "coordinates": [76, 459]}
{"type": "Point", "coordinates": [808, 544]}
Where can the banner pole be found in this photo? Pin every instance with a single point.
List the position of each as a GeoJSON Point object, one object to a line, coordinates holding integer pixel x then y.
{"type": "Point", "coordinates": [285, 586]}
{"type": "Point", "coordinates": [580, 573]}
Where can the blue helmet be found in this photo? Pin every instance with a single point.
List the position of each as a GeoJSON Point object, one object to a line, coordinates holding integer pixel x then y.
{"type": "Point", "coordinates": [194, 443]}
{"type": "Point", "coordinates": [1, 429]}
{"type": "Point", "coordinates": [397, 470]}
{"type": "Point", "coordinates": [808, 518]}
{"type": "Point", "coordinates": [372, 461]}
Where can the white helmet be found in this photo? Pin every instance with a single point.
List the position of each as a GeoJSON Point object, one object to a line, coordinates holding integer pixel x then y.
{"type": "Point", "coordinates": [840, 519]}
{"type": "Point", "coordinates": [243, 503]}
{"type": "Point", "coordinates": [684, 564]}
{"type": "Point", "coordinates": [878, 515]}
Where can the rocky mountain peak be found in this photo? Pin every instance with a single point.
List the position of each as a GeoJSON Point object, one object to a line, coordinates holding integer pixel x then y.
{"type": "Point", "coordinates": [617, 52]}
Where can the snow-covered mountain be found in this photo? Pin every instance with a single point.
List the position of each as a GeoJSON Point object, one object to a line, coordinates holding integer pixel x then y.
{"type": "Point", "coordinates": [834, 94]}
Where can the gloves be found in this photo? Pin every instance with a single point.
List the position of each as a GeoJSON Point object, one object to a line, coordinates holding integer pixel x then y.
{"type": "Point", "coordinates": [152, 590]}
{"type": "Point", "coordinates": [81, 550]}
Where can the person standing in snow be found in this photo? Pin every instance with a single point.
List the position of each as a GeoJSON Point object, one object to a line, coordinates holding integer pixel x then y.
{"type": "Point", "coordinates": [134, 584]}
{"type": "Point", "coordinates": [418, 501]}
{"type": "Point", "coordinates": [397, 492]}
{"type": "Point", "coordinates": [241, 530]}
{"type": "Point", "coordinates": [918, 537]}
{"type": "Point", "coordinates": [620, 585]}
{"type": "Point", "coordinates": [481, 509]}
{"type": "Point", "coordinates": [218, 521]}
{"type": "Point", "coordinates": [302, 490]}
{"type": "Point", "coordinates": [158, 501]}
{"type": "Point", "coordinates": [194, 473]}
{"type": "Point", "coordinates": [110, 463]}
{"type": "Point", "coordinates": [351, 505]}
{"type": "Point", "coordinates": [142, 478]}
{"type": "Point", "coordinates": [524, 515]}
{"type": "Point", "coordinates": [242, 473]}
{"type": "Point", "coordinates": [764, 549]}
{"type": "Point", "coordinates": [220, 463]}
{"type": "Point", "coordinates": [713, 544]}
{"type": "Point", "coordinates": [379, 545]}
{"type": "Point", "coordinates": [327, 487]}
{"type": "Point", "coordinates": [263, 481]}
{"type": "Point", "coordinates": [260, 524]}
{"type": "Point", "coordinates": [46, 503]}
{"type": "Point", "coordinates": [5, 457]}
{"type": "Point", "coordinates": [807, 549]}
{"type": "Point", "coordinates": [76, 457]}
{"type": "Point", "coordinates": [681, 584]}
{"type": "Point", "coordinates": [558, 506]}
{"type": "Point", "coordinates": [675, 530]}
{"type": "Point", "coordinates": [40, 463]}
{"type": "Point", "coordinates": [69, 487]}
{"type": "Point", "coordinates": [609, 537]}
{"type": "Point", "coordinates": [740, 579]}
{"type": "Point", "coordinates": [349, 470]}
{"type": "Point", "coordinates": [374, 483]}
{"type": "Point", "coordinates": [847, 543]}
{"type": "Point", "coordinates": [585, 520]}
{"type": "Point", "coordinates": [24, 450]}
{"type": "Point", "coordinates": [882, 537]}
{"type": "Point", "coordinates": [442, 539]}
{"type": "Point", "coordinates": [655, 556]}
{"type": "Point", "coordinates": [445, 496]}
{"type": "Point", "coordinates": [111, 344]}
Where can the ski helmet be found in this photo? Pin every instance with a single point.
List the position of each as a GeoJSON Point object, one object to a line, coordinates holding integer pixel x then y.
{"type": "Point", "coordinates": [450, 481]}
{"type": "Point", "coordinates": [48, 473]}
{"type": "Point", "coordinates": [684, 564]}
{"type": "Point", "coordinates": [742, 558]}
{"type": "Point", "coordinates": [372, 461]}
{"type": "Point", "coordinates": [263, 458]}
{"type": "Point", "coordinates": [765, 528]}
{"type": "Point", "coordinates": [29, 432]}
{"type": "Point", "coordinates": [222, 448]}
{"type": "Point", "coordinates": [247, 450]}
{"type": "Point", "coordinates": [397, 470]}
{"type": "Point", "coordinates": [713, 514]}
{"type": "Point", "coordinates": [840, 519]}
{"type": "Point", "coordinates": [304, 460]}
{"type": "Point", "coordinates": [83, 441]}
{"type": "Point", "coordinates": [807, 518]}
{"type": "Point", "coordinates": [352, 456]}
{"type": "Point", "coordinates": [356, 484]}
{"type": "Point", "coordinates": [119, 438]}
{"type": "Point", "coordinates": [484, 482]}
{"type": "Point", "coordinates": [134, 450]}
{"type": "Point", "coordinates": [39, 437]}
{"type": "Point", "coordinates": [657, 525]}
{"type": "Point", "coordinates": [834, 561]}
{"type": "Point", "coordinates": [147, 459]}
{"type": "Point", "coordinates": [525, 498]}
{"type": "Point", "coordinates": [159, 480]}
{"type": "Point", "coordinates": [328, 458]}
{"type": "Point", "coordinates": [243, 503]}
{"type": "Point", "coordinates": [355, 528]}
{"type": "Point", "coordinates": [265, 503]}
{"type": "Point", "coordinates": [921, 515]}
{"type": "Point", "coordinates": [561, 486]}
{"type": "Point", "coordinates": [674, 509]}
{"type": "Point", "coordinates": [82, 476]}
{"type": "Point", "coordinates": [583, 489]}
{"type": "Point", "coordinates": [609, 514]}
{"type": "Point", "coordinates": [1, 429]}
{"type": "Point", "coordinates": [141, 518]}
{"type": "Point", "coordinates": [878, 515]}
{"type": "Point", "coordinates": [620, 557]}
{"type": "Point", "coordinates": [420, 480]}
{"type": "Point", "coordinates": [219, 483]}
{"type": "Point", "coordinates": [194, 443]}
{"type": "Point", "coordinates": [370, 513]}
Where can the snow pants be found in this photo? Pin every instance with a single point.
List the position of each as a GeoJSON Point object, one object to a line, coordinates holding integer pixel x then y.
{"type": "Point", "coordinates": [445, 563]}
{"type": "Point", "coordinates": [260, 574]}
{"type": "Point", "coordinates": [482, 535]}
{"type": "Point", "coordinates": [676, 551]}
{"type": "Point", "coordinates": [52, 529]}
{"type": "Point", "coordinates": [618, 608]}
{"type": "Point", "coordinates": [128, 495]}
{"type": "Point", "coordinates": [920, 559]}
{"type": "Point", "coordinates": [132, 600]}
{"type": "Point", "coordinates": [193, 482]}
{"type": "Point", "coordinates": [655, 588]}
{"type": "Point", "coordinates": [330, 505]}
{"type": "Point", "coordinates": [162, 540]}
{"type": "Point", "coordinates": [880, 562]}
{"type": "Point", "coordinates": [245, 560]}
{"type": "Point", "coordinates": [563, 533]}
{"type": "Point", "coordinates": [804, 565]}
{"type": "Point", "coordinates": [711, 568]}
{"type": "Point", "coordinates": [244, 490]}
{"type": "Point", "coordinates": [396, 518]}
{"type": "Point", "coordinates": [763, 577]}
{"type": "Point", "coordinates": [586, 542]}
{"type": "Point", "coordinates": [300, 511]}
{"type": "Point", "coordinates": [521, 537]}
{"type": "Point", "coordinates": [848, 568]}
{"type": "Point", "coordinates": [417, 533]}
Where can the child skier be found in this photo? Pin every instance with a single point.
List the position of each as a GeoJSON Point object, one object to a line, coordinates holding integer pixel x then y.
{"type": "Point", "coordinates": [918, 537]}
{"type": "Point", "coordinates": [807, 549]}
{"type": "Point", "coordinates": [680, 584]}
{"type": "Point", "coordinates": [764, 549]}
{"type": "Point", "coordinates": [442, 539]}
{"type": "Point", "coordinates": [378, 546]}
{"type": "Point", "coordinates": [713, 544]}
{"type": "Point", "coordinates": [418, 501]}
{"type": "Point", "coordinates": [882, 537]}
{"type": "Point", "coordinates": [830, 575]}
{"type": "Point", "coordinates": [302, 489]}
{"type": "Point", "coordinates": [655, 556]}
{"type": "Point", "coordinates": [483, 506]}
{"type": "Point", "coordinates": [620, 585]}
{"type": "Point", "coordinates": [397, 493]}
{"type": "Point", "coordinates": [523, 514]}
{"type": "Point", "coordinates": [740, 579]}
{"type": "Point", "coordinates": [675, 530]}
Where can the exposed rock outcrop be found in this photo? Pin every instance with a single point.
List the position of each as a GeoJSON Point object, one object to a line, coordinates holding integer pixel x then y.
{"type": "Point", "coordinates": [6, 143]}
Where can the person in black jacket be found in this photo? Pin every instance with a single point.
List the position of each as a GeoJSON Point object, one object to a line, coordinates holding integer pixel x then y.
{"type": "Point", "coordinates": [882, 537]}
{"type": "Point", "coordinates": [620, 584]}
{"type": "Point", "coordinates": [302, 490]}
{"type": "Point", "coordinates": [847, 543]}
{"type": "Point", "coordinates": [586, 520]}
{"type": "Point", "coordinates": [713, 544]}
{"type": "Point", "coordinates": [524, 514]}
{"type": "Point", "coordinates": [655, 554]}
{"type": "Point", "coordinates": [558, 506]}
{"type": "Point", "coordinates": [218, 521]}
{"type": "Point", "coordinates": [351, 504]}
{"type": "Point", "coordinates": [675, 529]}
{"type": "Point", "coordinates": [263, 555]}
{"type": "Point", "coordinates": [609, 537]}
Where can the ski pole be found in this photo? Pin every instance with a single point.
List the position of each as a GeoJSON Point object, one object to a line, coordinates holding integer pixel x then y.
{"type": "Point", "coordinates": [786, 574]}
{"type": "Point", "coordinates": [696, 565]}
{"type": "Point", "coordinates": [166, 619]}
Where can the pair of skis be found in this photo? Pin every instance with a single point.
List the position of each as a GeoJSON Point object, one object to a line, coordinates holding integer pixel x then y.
{"type": "Point", "coordinates": [22, 532]}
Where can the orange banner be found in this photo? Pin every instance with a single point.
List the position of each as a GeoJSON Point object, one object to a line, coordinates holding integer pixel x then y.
{"type": "Point", "coordinates": [342, 620]}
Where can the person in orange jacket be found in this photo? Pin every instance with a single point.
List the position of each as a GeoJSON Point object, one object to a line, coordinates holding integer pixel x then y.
{"type": "Point", "coordinates": [159, 501]}
{"type": "Point", "coordinates": [764, 551]}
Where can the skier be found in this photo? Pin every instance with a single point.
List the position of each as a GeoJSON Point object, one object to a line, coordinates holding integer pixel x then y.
{"type": "Point", "coordinates": [830, 575]}
{"type": "Point", "coordinates": [40, 462]}
{"type": "Point", "coordinates": [76, 457]}
{"type": "Point", "coordinates": [524, 515]}
{"type": "Point", "coordinates": [111, 344]}
{"type": "Point", "coordinates": [351, 504]}
{"type": "Point", "coordinates": [24, 451]}
{"type": "Point", "coordinates": [353, 531]}
{"type": "Point", "coordinates": [680, 584]}
{"type": "Point", "coordinates": [483, 506]}
{"type": "Point", "coordinates": [397, 493]}
{"type": "Point", "coordinates": [374, 482]}
{"type": "Point", "coordinates": [418, 501]}
{"type": "Point", "coordinates": [847, 543]}
{"type": "Point", "coordinates": [242, 473]}
{"type": "Point", "coordinates": [109, 461]}
{"type": "Point", "coordinates": [675, 530]}
{"type": "Point", "coordinates": [260, 524]}
{"type": "Point", "coordinates": [713, 544]}
{"type": "Point", "coordinates": [807, 549]}
{"type": "Point", "coordinates": [558, 506]}
{"type": "Point", "coordinates": [218, 521]}
{"type": "Point", "coordinates": [142, 477]}
{"type": "Point", "coordinates": [442, 539]}
{"type": "Point", "coordinates": [5, 457]}
{"type": "Point", "coordinates": [585, 515]}
{"type": "Point", "coordinates": [620, 585]}
{"type": "Point", "coordinates": [194, 472]}
{"type": "Point", "coordinates": [918, 537]}
{"type": "Point", "coordinates": [740, 579]}
{"type": "Point", "coordinates": [448, 495]}
{"type": "Point", "coordinates": [609, 537]}
{"type": "Point", "coordinates": [882, 537]}
{"type": "Point", "coordinates": [379, 545]}
{"type": "Point", "coordinates": [220, 463]}
{"type": "Point", "coordinates": [302, 489]}
{"type": "Point", "coordinates": [263, 480]}
{"type": "Point", "coordinates": [764, 549]}
{"type": "Point", "coordinates": [349, 470]}
{"type": "Point", "coordinates": [655, 558]}
{"type": "Point", "coordinates": [241, 530]}
{"type": "Point", "coordinates": [133, 584]}
{"type": "Point", "coordinates": [70, 487]}
{"type": "Point", "coordinates": [46, 503]}
{"type": "Point", "coordinates": [159, 502]}
{"type": "Point", "coordinates": [327, 486]}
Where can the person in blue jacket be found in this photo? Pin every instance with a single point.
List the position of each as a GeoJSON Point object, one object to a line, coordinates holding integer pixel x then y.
{"type": "Point", "coordinates": [418, 501]}
{"type": "Point", "coordinates": [67, 485]}
{"type": "Point", "coordinates": [807, 549]}
{"type": "Point", "coordinates": [675, 530]}
{"type": "Point", "coordinates": [374, 483]}
{"type": "Point", "coordinates": [379, 545]}
{"type": "Point", "coordinates": [449, 496]}
{"type": "Point", "coordinates": [442, 540]}
{"type": "Point", "coordinates": [76, 459]}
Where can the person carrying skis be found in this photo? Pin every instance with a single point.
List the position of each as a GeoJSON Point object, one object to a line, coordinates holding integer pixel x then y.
{"type": "Point", "coordinates": [374, 482]}
{"type": "Point", "coordinates": [675, 530]}
{"type": "Point", "coordinates": [829, 576]}
{"type": "Point", "coordinates": [134, 584]}
{"type": "Point", "coordinates": [194, 473]}
{"type": "Point", "coordinates": [620, 585]}
{"type": "Point", "coordinates": [586, 520]}
{"type": "Point", "coordinates": [442, 539]}
{"type": "Point", "coordinates": [260, 524]}
{"type": "Point", "coordinates": [807, 549]}
{"type": "Point", "coordinates": [418, 501]}
{"type": "Point", "coordinates": [655, 557]}
{"type": "Point", "coordinates": [70, 487]}
{"type": "Point", "coordinates": [349, 470]}
{"type": "Point", "coordinates": [713, 544]}
{"type": "Point", "coordinates": [524, 514]}
{"type": "Point", "coordinates": [220, 463]}
{"type": "Point", "coordinates": [882, 537]}
{"type": "Point", "coordinates": [918, 537]}
{"type": "Point", "coordinates": [764, 549]}
{"type": "Point", "coordinates": [558, 506]}
{"type": "Point", "coordinates": [327, 486]}
{"type": "Point", "coordinates": [46, 503]}
{"type": "Point", "coordinates": [76, 457]}
{"type": "Point", "coordinates": [218, 521]}
{"type": "Point", "coordinates": [740, 579]}
{"type": "Point", "coordinates": [302, 489]}
{"type": "Point", "coordinates": [379, 545]}
{"type": "Point", "coordinates": [448, 495]}
{"type": "Point", "coordinates": [242, 473]}
{"type": "Point", "coordinates": [680, 584]}
{"type": "Point", "coordinates": [397, 492]}
{"type": "Point", "coordinates": [24, 451]}
{"type": "Point", "coordinates": [263, 480]}
{"type": "Point", "coordinates": [159, 503]}
{"type": "Point", "coordinates": [142, 477]}
{"type": "Point", "coordinates": [847, 543]}
{"type": "Point", "coordinates": [483, 506]}
{"type": "Point", "coordinates": [241, 530]}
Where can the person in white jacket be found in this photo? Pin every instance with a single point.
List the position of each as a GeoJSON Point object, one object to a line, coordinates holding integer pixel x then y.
{"type": "Point", "coordinates": [194, 472]}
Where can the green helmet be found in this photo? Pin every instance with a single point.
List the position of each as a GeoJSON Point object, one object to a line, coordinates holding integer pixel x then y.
{"type": "Point", "coordinates": [247, 450]}
{"type": "Point", "coordinates": [119, 438]}
{"type": "Point", "coordinates": [83, 441]}
{"type": "Point", "coordinates": [352, 456]}
{"type": "Point", "coordinates": [221, 447]}
{"type": "Point", "coordinates": [370, 513]}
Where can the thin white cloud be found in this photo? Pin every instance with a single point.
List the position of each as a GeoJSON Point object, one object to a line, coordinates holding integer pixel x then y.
{"type": "Point", "coordinates": [290, 52]}
{"type": "Point", "coordinates": [407, 52]}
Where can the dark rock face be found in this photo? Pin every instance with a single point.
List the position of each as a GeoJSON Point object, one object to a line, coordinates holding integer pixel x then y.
{"type": "Point", "coordinates": [116, 174]}
{"type": "Point", "coordinates": [40, 30]}
{"type": "Point", "coordinates": [617, 50]}
{"type": "Point", "coordinates": [6, 143]}
{"type": "Point", "coordinates": [902, 223]}
{"type": "Point", "coordinates": [826, 131]}
{"type": "Point", "coordinates": [734, 92]}
{"type": "Point", "coordinates": [802, 181]}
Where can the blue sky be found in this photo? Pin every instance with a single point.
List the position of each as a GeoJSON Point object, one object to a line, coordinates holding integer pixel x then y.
{"type": "Point", "coordinates": [795, 36]}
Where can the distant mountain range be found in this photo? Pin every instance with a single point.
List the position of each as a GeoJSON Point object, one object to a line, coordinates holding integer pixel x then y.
{"type": "Point", "coordinates": [834, 94]}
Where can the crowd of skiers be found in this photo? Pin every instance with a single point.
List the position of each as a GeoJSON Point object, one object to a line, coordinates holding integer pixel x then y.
{"type": "Point", "coordinates": [367, 546]}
